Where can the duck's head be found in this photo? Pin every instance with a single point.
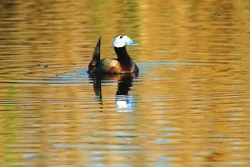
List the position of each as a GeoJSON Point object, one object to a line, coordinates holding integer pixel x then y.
{"type": "Point", "coordinates": [123, 40]}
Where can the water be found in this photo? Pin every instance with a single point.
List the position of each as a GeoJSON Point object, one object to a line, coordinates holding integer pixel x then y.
{"type": "Point", "coordinates": [189, 105]}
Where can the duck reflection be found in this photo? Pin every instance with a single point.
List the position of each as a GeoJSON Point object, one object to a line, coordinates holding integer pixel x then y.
{"type": "Point", "coordinates": [124, 101]}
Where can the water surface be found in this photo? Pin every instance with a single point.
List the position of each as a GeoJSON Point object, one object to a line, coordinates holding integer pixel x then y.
{"type": "Point", "coordinates": [188, 106]}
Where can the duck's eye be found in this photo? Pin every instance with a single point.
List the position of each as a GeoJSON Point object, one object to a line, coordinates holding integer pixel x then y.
{"type": "Point", "coordinates": [121, 36]}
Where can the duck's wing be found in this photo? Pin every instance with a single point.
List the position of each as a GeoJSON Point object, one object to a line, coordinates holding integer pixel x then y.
{"type": "Point", "coordinates": [95, 56]}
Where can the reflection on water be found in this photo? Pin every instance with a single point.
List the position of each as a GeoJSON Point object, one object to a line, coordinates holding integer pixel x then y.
{"type": "Point", "coordinates": [189, 106]}
{"type": "Point", "coordinates": [124, 101]}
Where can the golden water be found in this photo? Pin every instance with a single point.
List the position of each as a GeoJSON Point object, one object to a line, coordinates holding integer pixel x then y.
{"type": "Point", "coordinates": [189, 106]}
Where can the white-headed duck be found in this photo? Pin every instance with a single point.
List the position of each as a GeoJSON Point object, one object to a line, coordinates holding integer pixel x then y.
{"type": "Point", "coordinates": [123, 63]}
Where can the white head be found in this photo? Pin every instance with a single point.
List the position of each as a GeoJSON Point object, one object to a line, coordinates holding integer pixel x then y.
{"type": "Point", "coordinates": [123, 40]}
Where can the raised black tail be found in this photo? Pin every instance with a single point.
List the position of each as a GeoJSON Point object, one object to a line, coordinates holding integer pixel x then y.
{"type": "Point", "coordinates": [95, 57]}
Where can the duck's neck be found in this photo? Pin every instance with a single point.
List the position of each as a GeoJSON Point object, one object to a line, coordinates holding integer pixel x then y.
{"type": "Point", "coordinates": [122, 54]}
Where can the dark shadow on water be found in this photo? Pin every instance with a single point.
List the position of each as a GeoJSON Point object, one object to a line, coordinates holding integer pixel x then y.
{"type": "Point", "coordinates": [124, 101]}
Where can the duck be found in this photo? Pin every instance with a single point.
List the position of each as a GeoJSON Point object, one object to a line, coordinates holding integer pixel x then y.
{"type": "Point", "coordinates": [122, 64]}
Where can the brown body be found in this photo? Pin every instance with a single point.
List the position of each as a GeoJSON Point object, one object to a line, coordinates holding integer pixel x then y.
{"type": "Point", "coordinates": [123, 63]}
